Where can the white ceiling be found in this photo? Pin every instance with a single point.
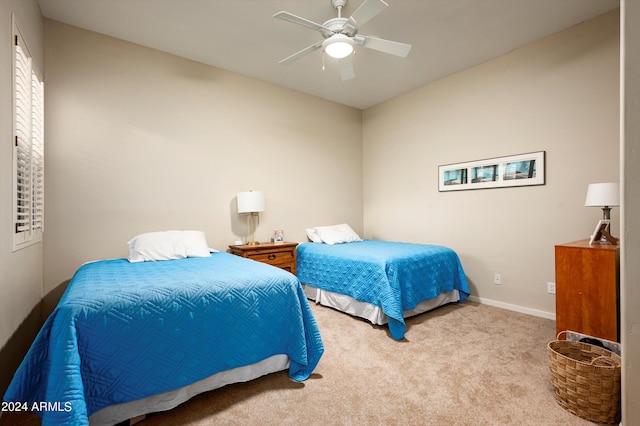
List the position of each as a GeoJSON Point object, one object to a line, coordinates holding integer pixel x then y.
{"type": "Point", "coordinates": [242, 36]}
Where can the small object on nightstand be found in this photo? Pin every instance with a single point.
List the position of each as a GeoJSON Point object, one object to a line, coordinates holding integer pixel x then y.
{"type": "Point", "coordinates": [278, 236]}
{"type": "Point", "coordinates": [600, 234]}
{"type": "Point", "coordinates": [281, 255]}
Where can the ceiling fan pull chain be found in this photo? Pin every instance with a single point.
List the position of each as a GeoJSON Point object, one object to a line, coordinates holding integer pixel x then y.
{"type": "Point", "coordinates": [322, 60]}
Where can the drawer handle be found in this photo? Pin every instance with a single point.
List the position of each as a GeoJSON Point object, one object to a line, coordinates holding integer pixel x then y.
{"type": "Point", "coordinates": [272, 257]}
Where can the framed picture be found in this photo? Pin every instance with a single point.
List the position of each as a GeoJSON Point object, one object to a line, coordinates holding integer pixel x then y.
{"type": "Point", "coordinates": [278, 236]}
{"type": "Point", "coordinates": [515, 170]}
{"type": "Point", "coordinates": [598, 232]}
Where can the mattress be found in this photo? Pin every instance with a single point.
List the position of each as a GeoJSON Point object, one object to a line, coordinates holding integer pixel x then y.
{"type": "Point", "coordinates": [372, 313]}
{"type": "Point", "coordinates": [394, 276]}
{"type": "Point", "coordinates": [126, 331]}
{"type": "Point", "coordinates": [114, 414]}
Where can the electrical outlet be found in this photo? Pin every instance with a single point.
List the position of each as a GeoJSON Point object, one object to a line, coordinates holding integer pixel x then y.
{"type": "Point", "coordinates": [497, 279]}
{"type": "Point", "coordinates": [551, 288]}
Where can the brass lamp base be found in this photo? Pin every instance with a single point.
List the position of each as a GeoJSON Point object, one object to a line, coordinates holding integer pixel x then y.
{"type": "Point", "coordinates": [253, 216]}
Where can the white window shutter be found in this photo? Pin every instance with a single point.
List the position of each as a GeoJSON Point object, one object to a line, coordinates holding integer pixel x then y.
{"type": "Point", "coordinates": [37, 153]}
{"type": "Point", "coordinates": [28, 148]}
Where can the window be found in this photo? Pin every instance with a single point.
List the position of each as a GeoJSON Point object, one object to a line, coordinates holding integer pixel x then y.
{"type": "Point", "coordinates": [28, 150]}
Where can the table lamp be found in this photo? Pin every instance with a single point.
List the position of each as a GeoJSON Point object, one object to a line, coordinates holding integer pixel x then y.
{"type": "Point", "coordinates": [251, 202]}
{"type": "Point", "coordinates": [604, 195]}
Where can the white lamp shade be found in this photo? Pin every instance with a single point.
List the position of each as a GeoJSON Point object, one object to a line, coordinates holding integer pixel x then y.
{"type": "Point", "coordinates": [338, 46]}
{"type": "Point", "coordinates": [603, 194]}
{"type": "Point", "coordinates": [249, 202]}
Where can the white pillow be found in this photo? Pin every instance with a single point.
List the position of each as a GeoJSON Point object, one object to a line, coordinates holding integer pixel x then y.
{"type": "Point", "coordinates": [313, 235]}
{"type": "Point", "coordinates": [336, 234]}
{"type": "Point", "coordinates": [167, 245]}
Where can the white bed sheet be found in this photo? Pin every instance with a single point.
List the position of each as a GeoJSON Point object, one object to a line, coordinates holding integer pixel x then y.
{"type": "Point", "coordinates": [168, 400]}
{"type": "Point", "coordinates": [371, 312]}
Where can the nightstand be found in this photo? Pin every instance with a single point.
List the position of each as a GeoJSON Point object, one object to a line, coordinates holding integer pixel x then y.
{"type": "Point", "coordinates": [588, 289]}
{"type": "Point", "coordinates": [282, 255]}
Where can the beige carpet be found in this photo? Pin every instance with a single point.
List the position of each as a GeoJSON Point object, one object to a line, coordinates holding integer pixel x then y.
{"type": "Point", "coordinates": [466, 364]}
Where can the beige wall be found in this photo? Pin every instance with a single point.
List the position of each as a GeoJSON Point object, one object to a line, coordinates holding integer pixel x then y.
{"type": "Point", "coordinates": [20, 271]}
{"type": "Point", "coordinates": [139, 140]}
{"type": "Point", "coordinates": [559, 95]}
{"type": "Point", "coordinates": [630, 268]}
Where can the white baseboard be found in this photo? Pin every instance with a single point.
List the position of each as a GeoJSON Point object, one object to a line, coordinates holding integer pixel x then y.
{"type": "Point", "coordinates": [516, 308]}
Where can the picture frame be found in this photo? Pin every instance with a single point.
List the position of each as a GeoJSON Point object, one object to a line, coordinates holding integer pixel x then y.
{"type": "Point", "coordinates": [278, 236]}
{"type": "Point", "coordinates": [599, 231]}
{"type": "Point", "coordinates": [498, 172]}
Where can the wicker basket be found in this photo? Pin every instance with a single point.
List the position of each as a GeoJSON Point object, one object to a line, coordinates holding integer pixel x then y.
{"type": "Point", "coordinates": [585, 379]}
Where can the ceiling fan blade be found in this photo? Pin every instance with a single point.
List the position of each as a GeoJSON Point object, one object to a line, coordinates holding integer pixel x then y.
{"type": "Point", "coordinates": [303, 52]}
{"type": "Point", "coordinates": [385, 46]}
{"type": "Point", "coordinates": [367, 10]}
{"type": "Point", "coordinates": [286, 16]}
{"type": "Point", "coordinates": [346, 69]}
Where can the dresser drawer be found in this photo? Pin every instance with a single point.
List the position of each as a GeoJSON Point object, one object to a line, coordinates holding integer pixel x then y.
{"type": "Point", "coordinates": [273, 258]}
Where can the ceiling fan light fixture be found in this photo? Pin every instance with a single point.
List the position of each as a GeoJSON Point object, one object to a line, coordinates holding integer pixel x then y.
{"type": "Point", "coordinates": [338, 46]}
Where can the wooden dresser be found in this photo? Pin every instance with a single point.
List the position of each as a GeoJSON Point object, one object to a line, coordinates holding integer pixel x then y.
{"type": "Point", "coordinates": [282, 255]}
{"type": "Point", "coordinates": [588, 289]}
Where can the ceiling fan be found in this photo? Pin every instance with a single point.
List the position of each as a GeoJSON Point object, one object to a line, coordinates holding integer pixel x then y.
{"type": "Point", "coordinates": [340, 35]}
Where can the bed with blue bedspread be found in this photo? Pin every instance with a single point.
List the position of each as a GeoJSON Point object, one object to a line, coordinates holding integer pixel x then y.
{"type": "Point", "coordinates": [125, 331]}
{"type": "Point", "coordinates": [381, 279]}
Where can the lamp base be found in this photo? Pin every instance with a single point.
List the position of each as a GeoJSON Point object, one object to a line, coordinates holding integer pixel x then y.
{"type": "Point", "coordinates": [252, 229]}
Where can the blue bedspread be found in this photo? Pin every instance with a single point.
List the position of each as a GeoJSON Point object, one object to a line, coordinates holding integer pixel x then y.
{"type": "Point", "coordinates": [392, 275]}
{"type": "Point", "coordinates": [124, 331]}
